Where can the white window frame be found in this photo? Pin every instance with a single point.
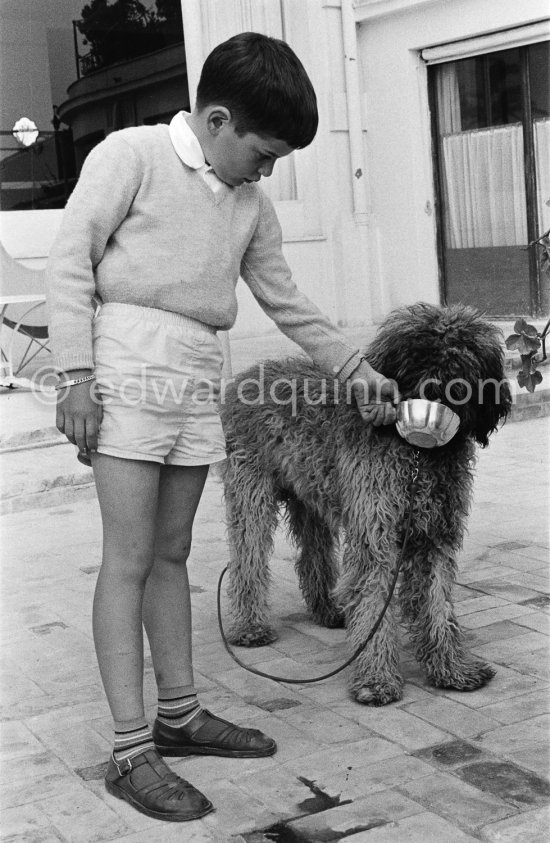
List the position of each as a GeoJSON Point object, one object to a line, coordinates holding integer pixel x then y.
{"type": "Point", "coordinates": [505, 39]}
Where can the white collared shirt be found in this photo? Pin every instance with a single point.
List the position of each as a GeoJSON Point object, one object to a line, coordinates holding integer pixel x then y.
{"type": "Point", "coordinates": [188, 148]}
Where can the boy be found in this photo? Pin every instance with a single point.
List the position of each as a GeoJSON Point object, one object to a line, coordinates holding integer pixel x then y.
{"type": "Point", "coordinates": [161, 224]}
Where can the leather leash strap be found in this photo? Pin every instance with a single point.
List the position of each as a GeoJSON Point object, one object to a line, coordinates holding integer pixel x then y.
{"type": "Point", "coordinates": [359, 650]}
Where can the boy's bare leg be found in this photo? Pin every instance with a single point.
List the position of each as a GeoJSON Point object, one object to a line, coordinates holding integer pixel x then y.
{"type": "Point", "coordinates": [128, 498]}
{"type": "Point", "coordinates": [182, 726]}
{"type": "Point", "coordinates": [128, 493]}
{"type": "Point", "coordinates": [167, 604]}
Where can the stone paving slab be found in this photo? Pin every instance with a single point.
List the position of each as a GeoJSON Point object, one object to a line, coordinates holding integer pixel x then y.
{"type": "Point", "coordinates": [361, 815]}
{"type": "Point", "coordinates": [420, 828]}
{"type": "Point", "coordinates": [461, 804]}
{"type": "Point", "coordinates": [437, 766]}
{"type": "Point", "coordinates": [532, 826]}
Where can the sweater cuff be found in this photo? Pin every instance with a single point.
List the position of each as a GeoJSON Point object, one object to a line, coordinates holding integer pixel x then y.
{"type": "Point", "coordinates": [68, 361]}
{"type": "Point", "coordinates": [349, 367]}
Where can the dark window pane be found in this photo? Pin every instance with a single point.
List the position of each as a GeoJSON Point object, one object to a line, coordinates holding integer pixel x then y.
{"type": "Point", "coordinates": [504, 85]}
{"type": "Point", "coordinates": [539, 71]}
{"type": "Point", "coordinates": [471, 92]}
{"type": "Point", "coordinates": [488, 90]}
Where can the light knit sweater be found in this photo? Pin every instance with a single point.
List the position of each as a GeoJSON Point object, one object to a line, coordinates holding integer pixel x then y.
{"type": "Point", "coordinates": [143, 228]}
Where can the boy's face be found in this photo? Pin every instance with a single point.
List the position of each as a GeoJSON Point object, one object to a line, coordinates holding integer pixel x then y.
{"type": "Point", "coordinates": [241, 159]}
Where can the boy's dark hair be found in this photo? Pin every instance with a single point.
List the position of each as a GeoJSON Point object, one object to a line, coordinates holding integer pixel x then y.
{"type": "Point", "coordinates": [264, 85]}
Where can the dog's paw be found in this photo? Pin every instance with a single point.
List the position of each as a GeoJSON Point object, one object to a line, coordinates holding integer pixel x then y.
{"type": "Point", "coordinates": [379, 694]}
{"type": "Point", "coordinates": [468, 677]}
{"type": "Point", "coordinates": [257, 637]}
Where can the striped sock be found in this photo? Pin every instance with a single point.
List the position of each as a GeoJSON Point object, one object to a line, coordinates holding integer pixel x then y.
{"type": "Point", "coordinates": [131, 741]}
{"type": "Point", "coordinates": [178, 706]}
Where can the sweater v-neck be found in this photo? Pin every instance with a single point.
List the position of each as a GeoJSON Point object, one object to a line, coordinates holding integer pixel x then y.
{"type": "Point", "coordinates": [219, 196]}
{"type": "Point", "coordinates": [187, 148]}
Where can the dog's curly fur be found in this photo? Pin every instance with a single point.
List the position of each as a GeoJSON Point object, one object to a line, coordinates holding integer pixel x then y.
{"type": "Point", "coordinates": [331, 472]}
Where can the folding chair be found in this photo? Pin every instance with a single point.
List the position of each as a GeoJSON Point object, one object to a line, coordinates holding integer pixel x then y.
{"type": "Point", "coordinates": [21, 294]}
{"type": "Point", "coordinates": [37, 336]}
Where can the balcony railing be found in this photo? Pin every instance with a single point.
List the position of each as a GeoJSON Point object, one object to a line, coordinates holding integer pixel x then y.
{"type": "Point", "coordinates": [39, 176]}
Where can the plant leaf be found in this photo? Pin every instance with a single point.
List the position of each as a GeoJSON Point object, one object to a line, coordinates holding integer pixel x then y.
{"type": "Point", "coordinates": [530, 381]}
{"type": "Point", "coordinates": [525, 345]}
{"type": "Point", "coordinates": [518, 326]}
{"type": "Point", "coordinates": [532, 343]}
{"type": "Point", "coordinates": [512, 341]}
{"type": "Point", "coordinates": [530, 330]}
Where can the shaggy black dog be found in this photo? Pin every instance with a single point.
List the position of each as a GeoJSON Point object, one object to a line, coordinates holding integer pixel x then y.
{"type": "Point", "coordinates": [296, 440]}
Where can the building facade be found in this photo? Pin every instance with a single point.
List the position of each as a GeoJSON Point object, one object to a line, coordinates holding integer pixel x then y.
{"type": "Point", "coordinates": [457, 102]}
{"type": "Point", "coordinates": [430, 173]}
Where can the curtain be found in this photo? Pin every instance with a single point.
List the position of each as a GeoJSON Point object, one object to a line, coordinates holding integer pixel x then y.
{"type": "Point", "coordinates": [448, 99]}
{"type": "Point", "coordinates": [484, 188]}
{"type": "Point", "coordinates": [542, 167]}
{"type": "Point", "coordinates": [222, 20]}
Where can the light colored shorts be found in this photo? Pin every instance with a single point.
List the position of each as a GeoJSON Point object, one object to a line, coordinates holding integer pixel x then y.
{"type": "Point", "coordinates": [158, 374]}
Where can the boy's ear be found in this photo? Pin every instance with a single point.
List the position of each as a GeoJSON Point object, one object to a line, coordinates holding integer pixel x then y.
{"type": "Point", "coordinates": [217, 117]}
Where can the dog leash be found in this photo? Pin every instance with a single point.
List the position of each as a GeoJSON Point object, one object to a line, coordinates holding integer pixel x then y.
{"type": "Point", "coordinates": [412, 491]}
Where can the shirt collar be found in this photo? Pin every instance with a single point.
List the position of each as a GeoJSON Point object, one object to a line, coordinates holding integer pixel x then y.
{"type": "Point", "coordinates": [185, 141]}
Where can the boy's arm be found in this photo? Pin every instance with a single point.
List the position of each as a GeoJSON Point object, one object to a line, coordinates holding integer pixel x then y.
{"type": "Point", "coordinates": [100, 201]}
{"type": "Point", "coordinates": [268, 276]}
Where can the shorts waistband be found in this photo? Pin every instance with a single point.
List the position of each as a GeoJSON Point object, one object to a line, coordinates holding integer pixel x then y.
{"type": "Point", "coordinates": [161, 317]}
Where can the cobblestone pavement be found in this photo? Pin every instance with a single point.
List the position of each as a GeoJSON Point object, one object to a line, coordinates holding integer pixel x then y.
{"type": "Point", "coordinates": [438, 766]}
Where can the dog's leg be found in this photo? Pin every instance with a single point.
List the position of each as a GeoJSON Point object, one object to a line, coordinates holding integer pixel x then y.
{"type": "Point", "coordinates": [426, 599]}
{"type": "Point", "coordinates": [251, 519]}
{"type": "Point", "coordinates": [361, 591]}
{"type": "Point", "coordinates": [316, 563]}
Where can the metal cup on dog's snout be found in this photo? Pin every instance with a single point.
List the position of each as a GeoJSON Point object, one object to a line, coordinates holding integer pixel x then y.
{"type": "Point", "coordinates": [426, 424]}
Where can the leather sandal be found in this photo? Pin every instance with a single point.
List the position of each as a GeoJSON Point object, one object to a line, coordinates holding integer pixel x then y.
{"type": "Point", "coordinates": [211, 735]}
{"type": "Point", "coordinates": [153, 789]}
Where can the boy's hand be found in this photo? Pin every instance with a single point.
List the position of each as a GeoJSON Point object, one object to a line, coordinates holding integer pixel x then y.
{"type": "Point", "coordinates": [79, 413]}
{"type": "Point", "coordinates": [376, 396]}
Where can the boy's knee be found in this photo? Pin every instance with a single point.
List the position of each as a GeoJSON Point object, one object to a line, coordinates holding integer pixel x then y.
{"type": "Point", "coordinates": [174, 552]}
{"type": "Point", "coordinates": [136, 572]}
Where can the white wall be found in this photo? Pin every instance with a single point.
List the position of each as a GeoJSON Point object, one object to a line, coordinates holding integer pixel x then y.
{"type": "Point", "coordinates": [29, 235]}
{"type": "Point", "coordinates": [391, 34]}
